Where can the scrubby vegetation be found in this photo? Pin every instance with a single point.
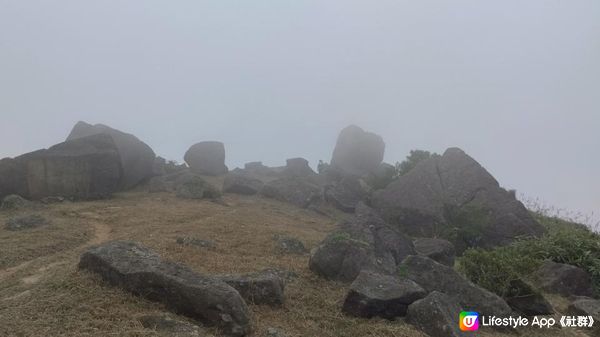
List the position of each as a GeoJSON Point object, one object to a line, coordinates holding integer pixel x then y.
{"type": "Point", "coordinates": [412, 160]}
{"type": "Point", "coordinates": [564, 242]}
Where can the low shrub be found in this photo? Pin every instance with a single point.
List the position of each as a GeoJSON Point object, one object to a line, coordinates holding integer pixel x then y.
{"type": "Point", "coordinates": [564, 242]}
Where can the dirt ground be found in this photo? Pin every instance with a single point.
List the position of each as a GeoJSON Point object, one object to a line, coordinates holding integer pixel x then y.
{"type": "Point", "coordinates": [43, 294]}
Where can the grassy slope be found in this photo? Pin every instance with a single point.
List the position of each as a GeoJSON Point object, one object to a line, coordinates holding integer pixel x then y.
{"type": "Point", "coordinates": [43, 294]}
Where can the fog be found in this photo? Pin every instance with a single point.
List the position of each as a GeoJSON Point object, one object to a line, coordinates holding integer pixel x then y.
{"type": "Point", "coordinates": [516, 84]}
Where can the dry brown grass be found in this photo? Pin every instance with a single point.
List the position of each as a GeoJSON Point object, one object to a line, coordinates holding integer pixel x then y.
{"type": "Point", "coordinates": [43, 293]}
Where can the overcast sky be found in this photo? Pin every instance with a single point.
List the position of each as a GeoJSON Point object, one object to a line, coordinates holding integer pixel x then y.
{"type": "Point", "coordinates": [516, 84]}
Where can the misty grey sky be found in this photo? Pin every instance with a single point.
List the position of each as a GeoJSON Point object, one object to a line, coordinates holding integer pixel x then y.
{"type": "Point", "coordinates": [516, 84]}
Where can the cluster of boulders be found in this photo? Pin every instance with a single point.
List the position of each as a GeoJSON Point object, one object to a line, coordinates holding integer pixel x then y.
{"type": "Point", "coordinates": [214, 300]}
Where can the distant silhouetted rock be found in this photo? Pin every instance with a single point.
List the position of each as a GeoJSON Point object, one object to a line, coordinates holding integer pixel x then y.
{"type": "Point", "coordinates": [141, 271]}
{"type": "Point", "coordinates": [298, 167]}
{"type": "Point", "coordinates": [207, 158]}
{"type": "Point", "coordinates": [137, 158]}
{"type": "Point", "coordinates": [453, 196]}
{"type": "Point", "coordinates": [357, 152]}
{"type": "Point", "coordinates": [84, 168]}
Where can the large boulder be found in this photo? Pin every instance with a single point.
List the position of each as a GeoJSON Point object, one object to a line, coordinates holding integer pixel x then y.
{"type": "Point", "coordinates": [357, 152]}
{"type": "Point", "coordinates": [265, 287]}
{"type": "Point", "coordinates": [436, 315]}
{"type": "Point", "coordinates": [363, 242]}
{"type": "Point", "coordinates": [141, 271]}
{"type": "Point", "coordinates": [300, 191]}
{"type": "Point", "coordinates": [84, 168]}
{"type": "Point", "coordinates": [241, 184]}
{"type": "Point", "coordinates": [346, 193]}
{"type": "Point", "coordinates": [373, 294]}
{"type": "Point", "coordinates": [298, 167]}
{"type": "Point", "coordinates": [207, 158]}
{"type": "Point", "coordinates": [563, 279]}
{"type": "Point", "coordinates": [587, 307]}
{"type": "Point", "coordinates": [433, 276]}
{"type": "Point", "coordinates": [137, 158]}
{"type": "Point", "coordinates": [452, 196]}
{"type": "Point", "coordinates": [439, 250]}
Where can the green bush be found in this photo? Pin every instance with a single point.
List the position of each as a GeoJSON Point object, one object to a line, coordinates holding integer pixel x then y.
{"type": "Point", "coordinates": [412, 160]}
{"type": "Point", "coordinates": [563, 243]}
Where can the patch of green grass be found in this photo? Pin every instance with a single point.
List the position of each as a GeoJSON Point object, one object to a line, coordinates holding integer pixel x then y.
{"type": "Point", "coordinates": [564, 242]}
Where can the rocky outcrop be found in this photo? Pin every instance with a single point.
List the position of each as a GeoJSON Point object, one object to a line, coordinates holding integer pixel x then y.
{"type": "Point", "coordinates": [265, 287]}
{"type": "Point", "coordinates": [141, 271]}
{"type": "Point", "coordinates": [300, 191]}
{"type": "Point", "coordinates": [357, 152]}
{"type": "Point", "coordinates": [242, 184]}
{"type": "Point", "coordinates": [346, 193]}
{"type": "Point", "coordinates": [298, 167]}
{"type": "Point", "coordinates": [84, 168]}
{"type": "Point", "coordinates": [453, 196]}
{"type": "Point", "coordinates": [439, 250]}
{"type": "Point", "coordinates": [207, 158]}
{"type": "Point", "coordinates": [433, 276]}
{"type": "Point", "coordinates": [373, 294]}
{"type": "Point", "coordinates": [436, 315]}
{"type": "Point", "coordinates": [364, 242]}
{"type": "Point", "coordinates": [137, 158]}
{"type": "Point", "coordinates": [563, 279]}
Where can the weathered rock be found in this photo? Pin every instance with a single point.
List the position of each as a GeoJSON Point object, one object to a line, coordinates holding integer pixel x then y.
{"type": "Point", "coordinates": [346, 193]}
{"type": "Point", "coordinates": [587, 307]}
{"type": "Point", "coordinates": [207, 158]}
{"type": "Point", "coordinates": [298, 191]}
{"type": "Point", "coordinates": [157, 185]}
{"type": "Point", "coordinates": [382, 177]}
{"type": "Point", "coordinates": [167, 326]}
{"type": "Point", "coordinates": [241, 184]}
{"type": "Point", "coordinates": [194, 187]}
{"type": "Point", "coordinates": [341, 258]}
{"type": "Point", "coordinates": [439, 250]}
{"type": "Point", "coordinates": [159, 167]}
{"type": "Point", "coordinates": [357, 152]}
{"type": "Point", "coordinates": [453, 196]}
{"type": "Point", "coordinates": [563, 279]}
{"type": "Point", "coordinates": [85, 168]}
{"type": "Point", "coordinates": [137, 158]}
{"type": "Point", "coordinates": [265, 287]}
{"type": "Point", "coordinates": [289, 245]}
{"type": "Point", "coordinates": [26, 222]}
{"type": "Point", "coordinates": [436, 315]}
{"type": "Point", "coordinates": [364, 242]}
{"type": "Point", "coordinates": [195, 242]}
{"type": "Point", "coordinates": [373, 294]}
{"type": "Point", "coordinates": [433, 276]}
{"type": "Point", "coordinates": [298, 167]}
{"type": "Point", "coordinates": [526, 300]}
{"type": "Point", "coordinates": [142, 272]}
{"type": "Point", "coordinates": [14, 202]}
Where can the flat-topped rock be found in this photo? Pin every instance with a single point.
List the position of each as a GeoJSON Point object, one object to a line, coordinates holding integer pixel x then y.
{"type": "Point", "coordinates": [265, 287]}
{"type": "Point", "coordinates": [141, 271]}
{"type": "Point", "coordinates": [373, 294]}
